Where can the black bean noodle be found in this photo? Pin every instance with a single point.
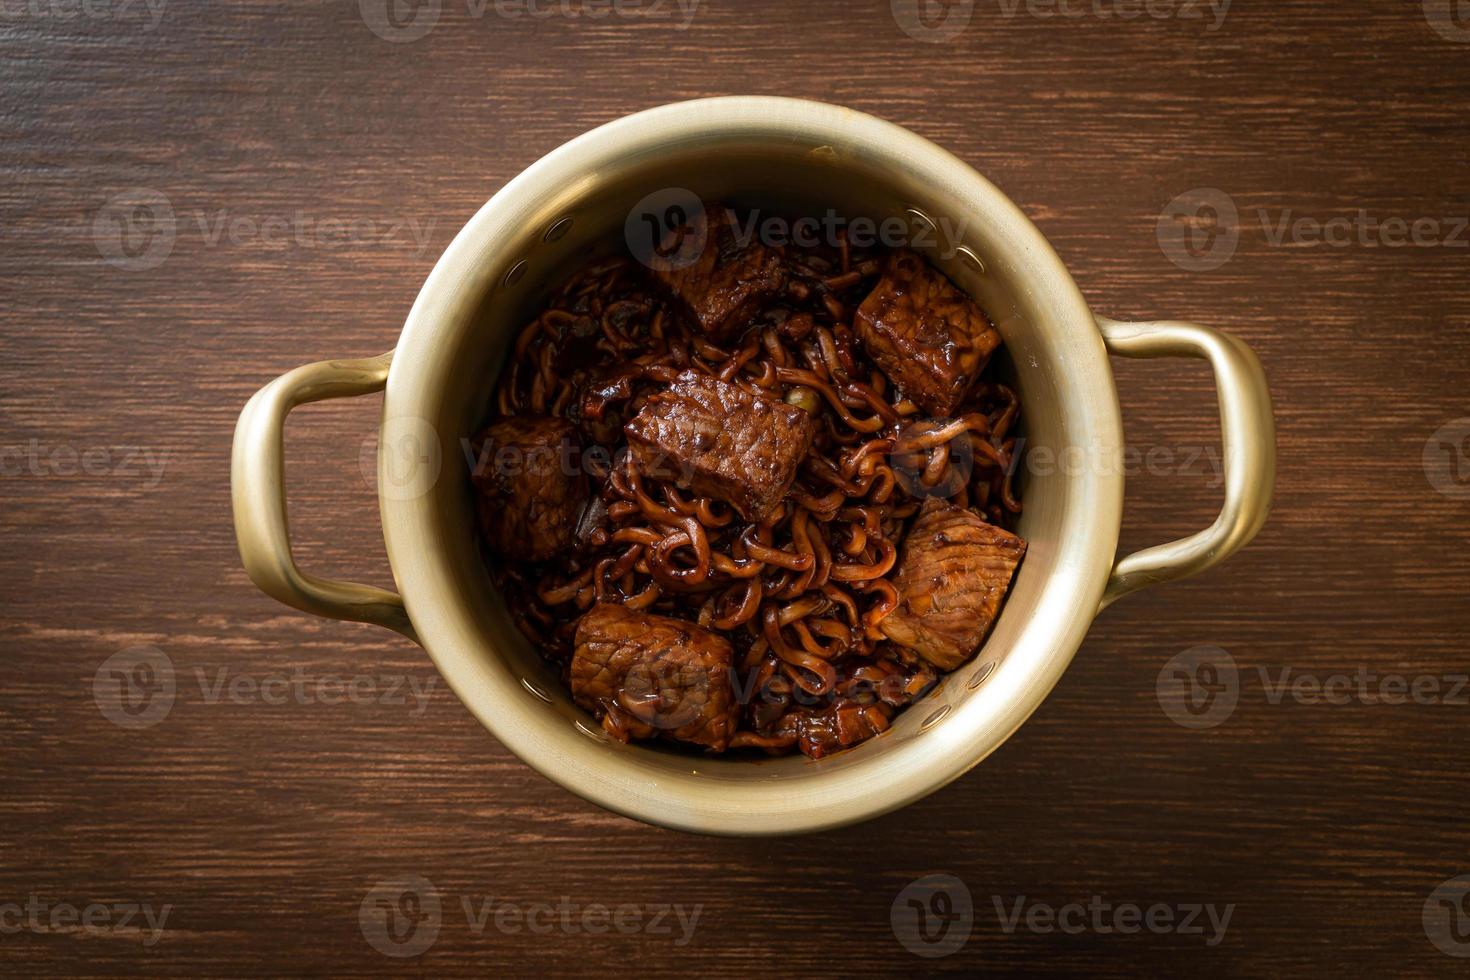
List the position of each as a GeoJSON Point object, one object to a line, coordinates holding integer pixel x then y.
{"type": "Point", "coordinates": [801, 593]}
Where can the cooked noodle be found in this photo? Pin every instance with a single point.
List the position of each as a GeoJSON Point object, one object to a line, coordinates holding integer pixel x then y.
{"type": "Point", "coordinates": [800, 593]}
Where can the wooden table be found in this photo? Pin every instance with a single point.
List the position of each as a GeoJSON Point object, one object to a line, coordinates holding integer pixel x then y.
{"type": "Point", "coordinates": [260, 815]}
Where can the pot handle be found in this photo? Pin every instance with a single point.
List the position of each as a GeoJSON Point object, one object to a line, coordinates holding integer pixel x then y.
{"type": "Point", "coordinates": [1247, 433]}
{"type": "Point", "coordinates": [258, 494]}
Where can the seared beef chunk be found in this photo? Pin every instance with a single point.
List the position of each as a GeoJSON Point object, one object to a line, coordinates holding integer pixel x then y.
{"type": "Point", "coordinates": [649, 676]}
{"type": "Point", "coordinates": [722, 441]}
{"type": "Point", "coordinates": [727, 281]}
{"type": "Point", "coordinates": [952, 576]}
{"type": "Point", "coordinates": [531, 487]}
{"type": "Point", "coordinates": [924, 333]}
{"type": "Point", "coordinates": [823, 731]}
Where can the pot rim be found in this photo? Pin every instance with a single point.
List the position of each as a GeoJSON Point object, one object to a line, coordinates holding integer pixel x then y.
{"type": "Point", "coordinates": [1065, 609]}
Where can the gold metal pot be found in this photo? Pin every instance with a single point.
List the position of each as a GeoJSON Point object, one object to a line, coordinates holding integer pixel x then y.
{"type": "Point", "coordinates": [791, 155]}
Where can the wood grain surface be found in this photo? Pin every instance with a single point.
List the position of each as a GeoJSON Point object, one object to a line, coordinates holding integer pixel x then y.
{"type": "Point", "coordinates": [255, 823]}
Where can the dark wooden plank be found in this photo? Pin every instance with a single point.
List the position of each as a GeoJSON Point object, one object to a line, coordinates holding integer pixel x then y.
{"type": "Point", "coordinates": [263, 826]}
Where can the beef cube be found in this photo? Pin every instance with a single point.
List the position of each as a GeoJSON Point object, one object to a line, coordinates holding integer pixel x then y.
{"type": "Point", "coordinates": [924, 333]}
{"type": "Point", "coordinates": [531, 486]}
{"type": "Point", "coordinates": [723, 441]}
{"type": "Point", "coordinates": [822, 731]}
{"type": "Point", "coordinates": [951, 578]}
{"type": "Point", "coordinates": [719, 277]}
{"type": "Point", "coordinates": [649, 676]}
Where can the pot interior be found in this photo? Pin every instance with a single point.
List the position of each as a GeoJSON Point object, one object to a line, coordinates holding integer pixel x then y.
{"type": "Point", "coordinates": [576, 204]}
